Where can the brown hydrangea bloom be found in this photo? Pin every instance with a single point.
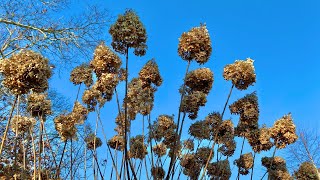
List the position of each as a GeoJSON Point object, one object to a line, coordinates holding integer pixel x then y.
{"type": "Point", "coordinates": [200, 130]}
{"type": "Point", "coordinates": [244, 163]}
{"type": "Point", "coordinates": [160, 149]}
{"type": "Point", "coordinates": [190, 166]}
{"type": "Point", "coordinates": [247, 107]}
{"type": "Point", "coordinates": [307, 171]}
{"type": "Point", "coordinates": [106, 84]}
{"type": "Point", "coordinates": [79, 113]}
{"type": "Point", "coordinates": [93, 141]}
{"type": "Point", "coordinates": [121, 125]}
{"type": "Point", "coordinates": [228, 148]}
{"type": "Point", "coordinates": [105, 60]}
{"type": "Point", "coordinates": [213, 120]}
{"type": "Point", "coordinates": [284, 132]}
{"type": "Point", "coordinates": [225, 132]}
{"type": "Point", "coordinates": [122, 74]}
{"type": "Point", "coordinates": [241, 73]}
{"type": "Point", "coordinates": [276, 167]}
{"type": "Point", "coordinates": [25, 71]}
{"type": "Point", "coordinates": [91, 98]}
{"type": "Point", "coordinates": [82, 74]}
{"type": "Point", "coordinates": [150, 74]}
{"type": "Point", "coordinates": [129, 32]}
{"type": "Point", "coordinates": [117, 142]}
{"type": "Point", "coordinates": [188, 144]}
{"type": "Point", "coordinates": [157, 173]}
{"type": "Point", "coordinates": [219, 170]}
{"type": "Point", "coordinates": [138, 149]}
{"type": "Point", "coordinates": [200, 80]}
{"type": "Point", "coordinates": [191, 103]}
{"type": "Point", "coordinates": [38, 105]}
{"type": "Point", "coordinates": [202, 155]}
{"type": "Point", "coordinates": [22, 124]}
{"type": "Point", "coordinates": [163, 127]}
{"type": "Point", "coordinates": [259, 139]}
{"type": "Point", "coordinates": [195, 45]}
{"type": "Point", "coordinates": [65, 126]}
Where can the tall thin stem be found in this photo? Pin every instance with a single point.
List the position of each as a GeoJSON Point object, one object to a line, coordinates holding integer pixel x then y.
{"type": "Point", "coordinates": [274, 153]}
{"type": "Point", "coordinates": [238, 176]}
{"type": "Point", "coordinates": [60, 162]}
{"type": "Point", "coordinates": [254, 156]}
{"type": "Point", "coordinates": [71, 161]}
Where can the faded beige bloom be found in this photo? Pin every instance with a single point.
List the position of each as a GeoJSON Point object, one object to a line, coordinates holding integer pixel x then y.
{"type": "Point", "coordinates": [277, 168]}
{"type": "Point", "coordinates": [157, 173]}
{"type": "Point", "coordinates": [117, 142]}
{"type": "Point", "coordinates": [244, 163]}
{"type": "Point", "coordinates": [307, 171]}
{"type": "Point", "coordinates": [219, 170]}
{"type": "Point", "coordinates": [38, 105]}
{"type": "Point", "coordinates": [138, 149]}
{"type": "Point", "coordinates": [191, 103]}
{"type": "Point", "coordinates": [150, 74]}
{"type": "Point", "coordinates": [22, 124]}
{"type": "Point", "coordinates": [93, 141]}
{"type": "Point", "coordinates": [160, 149]}
{"type": "Point", "coordinates": [259, 139]}
{"type": "Point", "coordinates": [200, 80]}
{"type": "Point", "coordinates": [81, 74]}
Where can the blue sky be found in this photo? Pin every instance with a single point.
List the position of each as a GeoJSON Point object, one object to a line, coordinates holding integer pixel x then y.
{"type": "Point", "coordinates": [281, 36]}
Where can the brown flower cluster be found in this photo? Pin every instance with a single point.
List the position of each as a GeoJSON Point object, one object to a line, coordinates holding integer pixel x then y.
{"type": "Point", "coordinates": [157, 173]}
{"type": "Point", "coordinates": [241, 73]}
{"type": "Point", "coordinates": [82, 74]}
{"type": "Point", "coordinates": [93, 141]}
{"type": "Point", "coordinates": [164, 127]}
{"type": "Point", "coordinates": [160, 149]}
{"type": "Point", "coordinates": [22, 124]}
{"type": "Point", "coordinates": [276, 167]}
{"type": "Point", "coordinates": [25, 71]}
{"type": "Point", "coordinates": [214, 120]}
{"type": "Point", "coordinates": [129, 32]}
{"type": "Point", "coordinates": [191, 103]}
{"type": "Point", "coordinates": [200, 80]}
{"type": "Point", "coordinates": [202, 155]}
{"type": "Point", "coordinates": [200, 130]}
{"type": "Point", "coordinates": [244, 163]}
{"type": "Point", "coordinates": [138, 149]}
{"type": "Point", "coordinates": [190, 166]}
{"type": "Point", "coordinates": [38, 105]}
{"type": "Point", "coordinates": [228, 148]}
{"type": "Point", "coordinates": [248, 109]}
{"type": "Point", "coordinates": [195, 45]}
{"type": "Point", "coordinates": [188, 144]}
{"type": "Point", "coordinates": [65, 124]}
{"type": "Point", "coordinates": [91, 97]}
{"type": "Point", "coordinates": [225, 132]}
{"type": "Point", "coordinates": [121, 125]}
{"type": "Point", "coordinates": [307, 171]}
{"type": "Point", "coordinates": [259, 139]}
{"type": "Point", "coordinates": [105, 60]}
{"type": "Point", "coordinates": [150, 74]}
{"type": "Point", "coordinates": [219, 170]}
{"type": "Point", "coordinates": [106, 85]}
{"type": "Point", "coordinates": [117, 142]}
{"type": "Point", "coordinates": [284, 132]}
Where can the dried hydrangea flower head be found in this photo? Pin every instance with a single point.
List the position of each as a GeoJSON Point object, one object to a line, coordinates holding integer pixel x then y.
{"type": "Point", "coordinates": [190, 166]}
{"type": "Point", "coordinates": [200, 130]}
{"type": "Point", "coordinates": [38, 105]}
{"type": "Point", "coordinates": [65, 126]}
{"type": "Point", "coordinates": [192, 102]}
{"type": "Point", "coordinates": [241, 73]}
{"type": "Point", "coordinates": [129, 32]}
{"type": "Point", "coordinates": [259, 139]}
{"type": "Point", "coordinates": [138, 149]}
{"type": "Point", "coordinates": [22, 124]}
{"type": "Point", "coordinates": [81, 74]}
{"type": "Point", "coordinates": [213, 120]}
{"type": "Point", "coordinates": [307, 171]}
{"type": "Point", "coordinates": [195, 45]}
{"type": "Point", "coordinates": [160, 149]}
{"type": "Point", "coordinates": [200, 80]}
{"type": "Point", "coordinates": [188, 144]}
{"type": "Point", "coordinates": [79, 113]}
{"type": "Point", "coordinates": [163, 127]}
{"type": "Point", "coordinates": [219, 170]}
{"type": "Point", "coordinates": [244, 163]}
{"type": "Point", "coordinates": [202, 155]}
{"type": "Point", "coordinates": [150, 74]}
{"type": "Point", "coordinates": [277, 168]}
{"type": "Point", "coordinates": [225, 132]}
{"type": "Point", "coordinates": [25, 71]}
{"type": "Point", "coordinates": [106, 84]}
{"type": "Point", "coordinates": [157, 173]}
{"type": "Point", "coordinates": [121, 125]}
{"type": "Point", "coordinates": [91, 98]}
{"type": "Point", "coordinates": [117, 142]}
{"type": "Point", "coordinates": [93, 141]}
{"type": "Point", "coordinates": [228, 148]}
{"type": "Point", "coordinates": [284, 132]}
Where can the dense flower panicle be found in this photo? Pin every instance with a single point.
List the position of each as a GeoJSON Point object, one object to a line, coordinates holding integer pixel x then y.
{"type": "Point", "coordinates": [157, 173]}
{"type": "Point", "coordinates": [244, 163]}
{"type": "Point", "coordinates": [191, 103]}
{"type": "Point", "coordinates": [150, 74]}
{"type": "Point", "coordinates": [200, 80]}
{"type": "Point", "coordinates": [164, 127]}
{"type": "Point", "coordinates": [82, 74]}
{"type": "Point", "coordinates": [117, 142]}
{"type": "Point", "coordinates": [284, 132]}
{"type": "Point", "coordinates": [160, 149]}
{"type": "Point", "coordinates": [200, 130]}
{"type": "Point", "coordinates": [93, 141]}
{"type": "Point", "coordinates": [188, 144]}
{"type": "Point", "coordinates": [195, 45]}
{"type": "Point", "coordinates": [65, 126]}
{"type": "Point", "coordinates": [121, 125]}
{"type": "Point", "coordinates": [91, 97]}
{"type": "Point", "coordinates": [129, 32]}
{"type": "Point", "coordinates": [138, 149]}
{"type": "Point", "coordinates": [247, 107]}
{"type": "Point", "coordinates": [259, 139]}
{"type": "Point", "coordinates": [38, 105]}
{"type": "Point", "coordinates": [22, 124]}
{"type": "Point", "coordinates": [106, 84]}
{"type": "Point", "coordinates": [175, 149]}
{"type": "Point", "coordinates": [219, 170]}
{"type": "Point", "coordinates": [245, 129]}
{"type": "Point", "coordinates": [228, 148]}
{"type": "Point", "coordinates": [213, 120]}
{"type": "Point", "coordinates": [79, 113]}
{"type": "Point", "coordinates": [25, 71]}
{"type": "Point", "coordinates": [190, 166]}
{"type": "Point", "coordinates": [225, 132]}
{"type": "Point", "coordinates": [307, 171]}
{"type": "Point", "coordinates": [105, 60]}
{"type": "Point", "coordinates": [277, 168]}
{"type": "Point", "coordinates": [202, 155]}
{"type": "Point", "coordinates": [241, 73]}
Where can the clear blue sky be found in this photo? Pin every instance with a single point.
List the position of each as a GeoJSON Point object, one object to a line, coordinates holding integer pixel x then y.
{"type": "Point", "coordinates": [281, 36]}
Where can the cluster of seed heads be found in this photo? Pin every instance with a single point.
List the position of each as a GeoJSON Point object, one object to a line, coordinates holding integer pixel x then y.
{"type": "Point", "coordinates": [38, 105]}
{"type": "Point", "coordinates": [259, 139]}
{"type": "Point", "coordinates": [244, 163]}
{"type": "Point", "coordinates": [92, 141]}
{"type": "Point", "coordinates": [219, 170]}
{"type": "Point", "coordinates": [82, 74]}
{"type": "Point", "coordinates": [138, 149]}
{"type": "Point", "coordinates": [22, 124]}
{"type": "Point", "coordinates": [277, 168]}
{"type": "Point", "coordinates": [307, 170]}
{"type": "Point", "coordinates": [157, 173]}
